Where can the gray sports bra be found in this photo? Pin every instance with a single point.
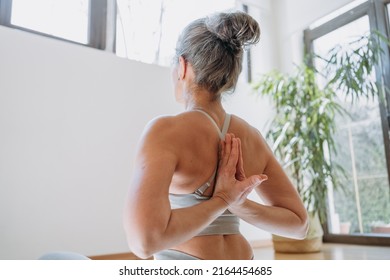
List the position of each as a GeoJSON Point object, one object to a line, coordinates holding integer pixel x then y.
{"type": "Point", "coordinates": [227, 223]}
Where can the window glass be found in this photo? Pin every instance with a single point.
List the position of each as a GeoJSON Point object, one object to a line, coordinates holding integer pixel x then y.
{"type": "Point", "coordinates": [66, 19]}
{"type": "Point", "coordinates": [388, 15]}
{"type": "Point", "coordinates": [147, 30]}
{"type": "Point", "coordinates": [364, 207]}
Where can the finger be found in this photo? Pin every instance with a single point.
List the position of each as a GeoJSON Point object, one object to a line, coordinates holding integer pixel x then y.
{"type": "Point", "coordinates": [240, 174]}
{"type": "Point", "coordinates": [241, 160]}
{"type": "Point", "coordinates": [227, 149]}
{"type": "Point", "coordinates": [247, 191]}
{"type": "Point", "coordinates": [221, 150]}
{"type": "Point", "coordinates": [254, 181]}
{"type": "Point", "coordinates": [263, 177]}
{"type": "Point", "coordinates": [234, 155]}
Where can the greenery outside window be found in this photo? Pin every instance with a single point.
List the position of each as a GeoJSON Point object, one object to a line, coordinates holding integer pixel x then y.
{"type": "Point", "coordinates": [361, 214]}
{"type": "Point", "coordinates": [147, 30]}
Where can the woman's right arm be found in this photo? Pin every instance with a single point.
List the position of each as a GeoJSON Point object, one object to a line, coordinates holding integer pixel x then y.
{"type": "Point", "coordinates": [283, 212]}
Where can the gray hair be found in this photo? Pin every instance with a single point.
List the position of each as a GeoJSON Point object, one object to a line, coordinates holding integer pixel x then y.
{"type": "Point", "coordinates": [214, 47]}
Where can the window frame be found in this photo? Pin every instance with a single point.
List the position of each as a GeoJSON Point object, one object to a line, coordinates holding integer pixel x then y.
{"type": "Point", "coordinates": [101, 28]}
{"type": "Point", "coordinates": [5, 12]}
{"type": "Point", "coordinates": [248, 54]}
{"type": "Point", "coordinates": [378, 19]}
{"type": "Point", "coordinates": [99, 24]}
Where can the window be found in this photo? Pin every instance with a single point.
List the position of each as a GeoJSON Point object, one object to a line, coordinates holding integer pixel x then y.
{"type": "Point", "coordinates": [388, 13]}
{"type": "Point", "coordinates": [361, 214]}
{"type": "Point", "coordinates": [142, 30]}
{"type": "Point", "coordinates": [147, 30]}
{"type": "Point", "coordinates": [64, 19]}
{"type": "Point", "coordinates": [83, 22]}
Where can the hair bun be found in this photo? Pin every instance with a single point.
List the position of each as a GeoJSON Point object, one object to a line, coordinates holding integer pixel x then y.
{"type": "Point", "coordinates": [235, 29]}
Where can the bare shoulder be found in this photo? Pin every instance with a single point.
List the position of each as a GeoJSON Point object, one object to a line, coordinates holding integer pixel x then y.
{"type": "Point", "coordinates": [165, 132]}
{"type": "Point", "coordinates": [250, 135]}
{"type": "Point", "coordinates": [158, 124]}
{"type": "Point", "coordinates": [163, 129]}
{"type": "Point", "coordinates": [156, 136]}
{"type": "Point", "coordinates": [168, 123]}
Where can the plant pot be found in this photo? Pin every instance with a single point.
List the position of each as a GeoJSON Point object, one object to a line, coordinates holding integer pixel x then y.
{"type": "Point", "coordinates": [287, 245]}
{"type": "Point", "coordinates": [381, 229]}
{"type": "Point", "coordinates": [345, 227]}
{"type": "Point", "coordinates": [311, 244]}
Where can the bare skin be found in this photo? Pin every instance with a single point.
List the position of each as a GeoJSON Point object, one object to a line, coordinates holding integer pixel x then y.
{"type": "Point", "coordinates": [177, 154]}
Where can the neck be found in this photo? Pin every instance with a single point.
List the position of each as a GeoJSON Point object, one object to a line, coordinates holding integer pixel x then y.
{"type": "Point", "coordinates": [205, 105]}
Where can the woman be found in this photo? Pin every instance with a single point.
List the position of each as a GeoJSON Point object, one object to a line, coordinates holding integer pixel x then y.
{"type": "Point", "coordinates": [180, 205]}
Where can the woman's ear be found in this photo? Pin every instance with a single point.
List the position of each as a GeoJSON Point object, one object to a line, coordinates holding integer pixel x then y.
{"type": "Point", "coordinates": [182, 69]}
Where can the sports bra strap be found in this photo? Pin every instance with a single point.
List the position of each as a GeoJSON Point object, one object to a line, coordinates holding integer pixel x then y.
{"type": "Point", "coordinates": [225, 126]}
{"type": "Point", "coordinates": [221, 134]}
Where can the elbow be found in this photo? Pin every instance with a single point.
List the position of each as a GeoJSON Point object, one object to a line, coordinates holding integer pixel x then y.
{"type": "Point", "coordinates": [302, 230]}
{"type": "Point", "coordinates": [302, 227]}
{"type": "Point", "coordinates": [141, 252]}
{"type": "Point", "coordinates": [141, 249]}
{"type": "Point", "coordinates": [297, 229]}
{"type": "Point", "coordinates": [143, 245]}
{"type": "Point", "coordinates": [142, 240]}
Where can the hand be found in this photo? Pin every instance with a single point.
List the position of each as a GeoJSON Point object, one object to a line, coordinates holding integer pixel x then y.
{"type": "Point", "coordinates": [240, 173]}
{"type": "Point", "coordinates": [232, 185]}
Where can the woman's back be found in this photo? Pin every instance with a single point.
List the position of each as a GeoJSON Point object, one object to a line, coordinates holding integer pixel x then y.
{"type": "Point", "coordinates": [198, 147]}
{"type": "Point", "coordinates": [198, 137]}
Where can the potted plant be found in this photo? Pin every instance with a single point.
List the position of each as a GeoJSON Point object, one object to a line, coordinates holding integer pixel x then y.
{"type": "Point", "coordinates": [380, 227]}
{"type": "Point", "coordinates": [302, 129]}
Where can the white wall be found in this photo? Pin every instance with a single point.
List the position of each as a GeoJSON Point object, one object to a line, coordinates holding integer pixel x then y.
{"type": "Point", "coordinates": [70, 118]}
{"type": "Point", "coordinates": [292, 18]}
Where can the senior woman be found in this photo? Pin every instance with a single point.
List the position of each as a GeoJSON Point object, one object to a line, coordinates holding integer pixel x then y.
{"type": "Point", "coordinates": [194, 171]}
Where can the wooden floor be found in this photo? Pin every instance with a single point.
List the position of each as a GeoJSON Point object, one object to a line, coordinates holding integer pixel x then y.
{"type": "Point", "coordinates": [329, 252]}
